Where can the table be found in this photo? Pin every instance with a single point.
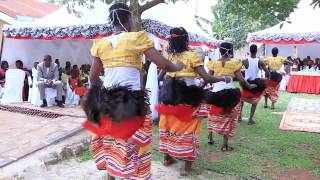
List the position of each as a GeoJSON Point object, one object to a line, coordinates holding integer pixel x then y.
{"type": "Point", "coordinates": [304, 82]}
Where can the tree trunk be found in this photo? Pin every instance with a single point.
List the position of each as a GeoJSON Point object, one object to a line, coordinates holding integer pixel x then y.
{"type": "Point", "coordinates": [136, 15]}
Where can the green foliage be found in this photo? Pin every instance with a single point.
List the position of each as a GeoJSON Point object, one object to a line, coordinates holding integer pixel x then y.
{"type": "Point", "coordinates": [236, 18]}
{"type": "Point", "coordinates": [316, 3]}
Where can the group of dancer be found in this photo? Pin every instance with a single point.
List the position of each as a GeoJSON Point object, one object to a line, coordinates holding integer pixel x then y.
{"type": "Point", "coordinates": [117, 108]}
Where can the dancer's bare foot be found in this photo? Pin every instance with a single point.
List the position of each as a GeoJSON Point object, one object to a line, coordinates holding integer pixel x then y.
{"type": "Point", "coordinates": [110, 177]}
{"type": "Point", "coordinates": [168, 160]}
{"type": "Point", "coordinates": [240, 119]}
{"type": "Point", "coordinates": [272, 106]}
{"type": "Point", "coordinates": [187, 169]}
{"type": "Point", "coordinates": [251, 122]}
{"type": "Point", "coordinates": [266, 106]}
{"type": "Point", "coordinates": [210, 139]}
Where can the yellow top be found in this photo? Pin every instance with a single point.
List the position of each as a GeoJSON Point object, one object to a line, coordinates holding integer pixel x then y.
{"type": "Point", "coordinates": [127, 52]}
{"type": "Point", "coordinates": [190, 59]}
{"type": "Point", "coordinates": [229, 68]}
{"type": "Point", "coordinates": [274, 63]}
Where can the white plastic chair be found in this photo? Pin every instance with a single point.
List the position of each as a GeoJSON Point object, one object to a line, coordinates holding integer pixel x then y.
{"type": "Point", "coordinates": [13, 86]}
{"type": "Point", "coordinates": [71, 97]}
{"type": "Point", "coordinates": [152, 85]}
{"type": "Point", "coordinates": [35, 100]}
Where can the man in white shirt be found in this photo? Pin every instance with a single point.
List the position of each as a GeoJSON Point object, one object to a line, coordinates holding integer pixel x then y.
{"type": "Point", "coordinates": [48, 77]}
{"type": "Point", "coordinates": [252, 66]}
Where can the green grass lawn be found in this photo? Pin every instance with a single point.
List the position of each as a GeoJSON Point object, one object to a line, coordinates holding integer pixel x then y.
{"type": "Point", "coordinates": [261, 151]}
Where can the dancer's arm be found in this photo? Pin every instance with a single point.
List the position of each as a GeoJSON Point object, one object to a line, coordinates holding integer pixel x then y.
{"type": "Point", "coordinates": [243, 81]}
{"type": "Point", "coordinates": [264, 67]}
{"type": "Point", "coordinates": [161, 75]}
{"type": "Point", "coordinates": [162, 62]}
{"type": "Point", "coordinates": [95, 71]}
{"type": "Point", "coordinates": [209, 78]}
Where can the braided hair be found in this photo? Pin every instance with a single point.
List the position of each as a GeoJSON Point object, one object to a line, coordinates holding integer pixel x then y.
{"type": "Point", "coordinates": [178, 40]}
{"type": "Point", "coordinates": [226, 49]}
{"type": "Point", "coordinates": [119, 14]}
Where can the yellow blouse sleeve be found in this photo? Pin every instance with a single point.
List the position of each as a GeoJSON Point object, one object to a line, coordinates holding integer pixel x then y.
{"type": "Point", "coordinates": [237, 65]}
{"type": "Point", "coordinates": [95, 48]}
{"type": "Point", "coordinates": [196, 60]}
{"type": "Point", "coordinates": [143, 42]}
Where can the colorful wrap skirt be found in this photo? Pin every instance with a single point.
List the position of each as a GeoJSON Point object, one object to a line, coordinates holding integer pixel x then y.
{"type": "Point", "coordinates": [179, 134]}
{"type": "Point", "coordinates": [122, 159]}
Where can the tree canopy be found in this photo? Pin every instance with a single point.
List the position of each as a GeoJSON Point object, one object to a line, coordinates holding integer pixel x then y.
{"type": "Point", "coordinates": [136, 6]}
{"type": "Point", "coordinates": [236, 18]}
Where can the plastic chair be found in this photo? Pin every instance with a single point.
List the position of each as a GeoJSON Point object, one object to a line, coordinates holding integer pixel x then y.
{"type": "Point", "coordinates": [13, 86]}
{"type": "Point", "coordinates": [71, 97]}
{"type": "Point", "coordinates": [153, 86]}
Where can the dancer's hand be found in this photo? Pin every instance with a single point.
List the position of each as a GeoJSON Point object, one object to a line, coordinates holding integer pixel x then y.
{"type": "Point", "coordinates": [179, 65]}
{"type": "Point", "coordinates": [228, 79]}
{"type": "Point", "coordinates": [252, 86]}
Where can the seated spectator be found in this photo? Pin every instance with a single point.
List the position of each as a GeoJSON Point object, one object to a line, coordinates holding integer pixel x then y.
{"type": "Point", "coordinates": [317, 64]}
{"type": "Point", "coordinates": [3, 68]}
{"type": "Point", "coordinates": [84, 75]}
{"type": "Point", "coordinates": [57, 61]}
{"type": "Point", "coordinates": [25, 91]}
{"type": "Point", "coordinates": [295, 66]}
{"type": "Point", "coordinates": [66, 74]}
{"type": "Point", "coordinates": [76, 84]}
{"type": "Point", "coordinates": [48, 77]}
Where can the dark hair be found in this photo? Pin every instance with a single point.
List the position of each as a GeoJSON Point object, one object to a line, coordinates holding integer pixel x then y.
{"type": "Point", "coordinates": [75, 66]}
{"type": "Point", "coordinates": [253, 49]}
{"type": "Point", "coordinates": [19, 62]}
{"type": "Point", "coordinates": [119, 11]}
{"type": "Point", "coordinates": [3, 63]}
{"type": "Point", "coordinates": [308, 57]}
{"type": "Point", "coordinates": [226, 48]}
{"type": "Point", "coordinates": [178, 41]}
{"type": "Point", "coordinates": [275, 51]}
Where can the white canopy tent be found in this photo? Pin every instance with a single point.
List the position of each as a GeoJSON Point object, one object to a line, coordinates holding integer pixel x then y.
{"type": "Point", "coordinates": [69, 38]}
{"type": "Point", "coordinates": [299, 38]}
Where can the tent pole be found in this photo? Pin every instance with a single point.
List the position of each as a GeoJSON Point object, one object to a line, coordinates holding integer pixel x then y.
{"type": "Point", "coordinates": [1, 48]}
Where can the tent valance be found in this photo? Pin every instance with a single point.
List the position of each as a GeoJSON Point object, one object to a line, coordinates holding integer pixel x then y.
{"type": "Point", "coordinates": [81, 32]}
{"type": "Point", "coordinates": [284, 38]}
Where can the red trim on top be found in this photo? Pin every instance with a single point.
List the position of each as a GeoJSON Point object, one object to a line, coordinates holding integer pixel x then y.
{"type": "Point", "coordinates": [57, 38]}
{"type": "Point", "coordinates": [284, 42]}
{"type": "Point", "coordinates": [123, 130]}
{"type": "Point", "coordinates": [102, 36]}
{"type": "Point", "coordinates": [182, 112]}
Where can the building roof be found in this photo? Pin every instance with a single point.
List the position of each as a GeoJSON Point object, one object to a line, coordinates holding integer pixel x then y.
{"type": "Point", "coordinates": [30, 8]}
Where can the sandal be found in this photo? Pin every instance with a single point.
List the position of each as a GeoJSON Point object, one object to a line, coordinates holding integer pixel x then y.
{"type": "Point", "coordinates": [169, 161]}
{"type": "Point", "coordinates": [226, 148]}
{"type": "Point", "coordinates": [210, 140]}
{"type": "Point", "coordinates": [251, 122]}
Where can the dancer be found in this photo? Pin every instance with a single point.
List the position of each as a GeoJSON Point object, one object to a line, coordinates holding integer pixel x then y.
{"type": "Point", "coordinates": [253, 96]}
{"type": "Point", "coordinates": [274, 64]}
{"type": "Point", "coordinates": [118, 111]}
{"type": "Point", "coordinates": [225, 98]}
{"type": "Point", "coordinates": [181, 96]}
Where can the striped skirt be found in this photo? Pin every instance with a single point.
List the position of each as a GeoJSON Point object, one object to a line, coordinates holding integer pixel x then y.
{"type": "Point", "coordinates": [120, 158]}
{"type": "Point", "coordinates": [272, 91]}
{"type": "Point", "coordinates": [224, 123]}
{"type": "Point", "coordinates": [178, 138]}
{"type": "Point", "coordinates": [251, 98]}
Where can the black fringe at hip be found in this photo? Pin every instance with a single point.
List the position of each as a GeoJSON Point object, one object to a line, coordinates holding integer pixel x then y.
{"type": "Point", "coordinates": [175, 92]}
{"type": "Point", "coordinates": [118, 103]}
{"type": "Point", "coordinates": [275, 76]}
{"type": "Point", "coordinates": [261, 85]}
{"type": "Point", "coordinates": [227, 98]}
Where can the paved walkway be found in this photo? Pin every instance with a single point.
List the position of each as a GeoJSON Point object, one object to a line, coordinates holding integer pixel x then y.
{"type": "Point", "coordinates": [21, 134]}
